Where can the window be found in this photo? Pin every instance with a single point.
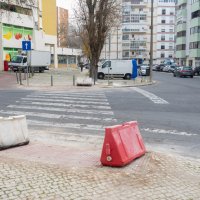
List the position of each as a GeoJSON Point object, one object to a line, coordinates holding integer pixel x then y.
{"type": "Point", "coordinates": [171, 21]}
{"type": "Point", "coordinates": [196, 14]}
{"type": "Point", "coordinates": [171, 30]}
{"type": "Point", "coordinates": [171, 47]}
{"type": "Point", "coordinates": [195, 45]}
{"type": "Point", "coordinates": [180, 47]}
{"type": "Point", "coordinates": [162, 37]}
{"type": "Point", "coordinates": [171, 13]}
{"type": "Point", "coordinates": [163, 21]}
{"type": "Point", "coordinates": [171, 38]}
{"type": "Point", "coordinates": [125, 37]}
{"type": "Point", "coordinates": [170, 56]}
{"type": "Point", "coordinates": [194, 30]}
{"type": "Point", "coordinates": [106, 64]}
{"type": "Point", "coordinates": [163, 12]}
{"type": "Point", "coordinates": [125, 53]}
{"type": "Point", "coordinates": [62, 59]}
{"type": "Point", "coordinates": [162, 55]}
{"type": "Point", "coordinates": [162, 30]}
{"type": "Point", "coordinates": [162, 46]}
{"type": "Point", "coordinates": [181, 34]}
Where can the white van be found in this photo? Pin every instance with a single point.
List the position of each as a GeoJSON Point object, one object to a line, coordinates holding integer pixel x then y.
{"type": "Point", "coordinates": [116, 68]}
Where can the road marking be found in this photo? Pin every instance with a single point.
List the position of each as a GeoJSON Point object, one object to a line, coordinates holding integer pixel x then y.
{"type": "Point", "coordinates": [66, 125]}
{"type": "Point", "coordinates": [70, 98]}
{"type": "Point", "coordinates": [56, 116]}
{"type": "Point", "coordinates": [171, 132]}
{"type": "Point", "coordinates": [75, 95]}
{"type": "Point", "coordinates": [63, 101]}
{"type": "Point", "coordinates": [95, 112]}
{"type": "Point", "coordinates": [151, 96]}
{"type": "Point", "coordinates": [66, 105]}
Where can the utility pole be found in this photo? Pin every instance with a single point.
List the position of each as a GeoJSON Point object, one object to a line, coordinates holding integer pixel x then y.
{"type": "Point", "coordinates": [151, 42]}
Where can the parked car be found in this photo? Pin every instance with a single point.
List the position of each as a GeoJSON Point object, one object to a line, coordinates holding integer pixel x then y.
{"type": "Point", "coordinates": [166, 68]}
{"type": "Point", "coordinates": [144, 70]}
{"type": "Point", "coordinates": [160, 67]}
{"type": "Point", "coordinates": [154, 68]}
{"type": "Point", "coordinates": [197, 70]}
{"type": "Point", "coordinates": [172, 67]}
{"type": "Point", "coordinates": [183, 71]}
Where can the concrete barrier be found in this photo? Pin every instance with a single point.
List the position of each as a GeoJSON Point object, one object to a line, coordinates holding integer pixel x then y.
{"type": "Point", "coordinates": [84, 82]}
{"type": "Point", "coordinates": [13, 132]}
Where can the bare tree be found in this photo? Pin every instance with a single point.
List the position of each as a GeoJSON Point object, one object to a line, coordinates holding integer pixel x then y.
{"type": "Point", "coordinates": [95, 18]}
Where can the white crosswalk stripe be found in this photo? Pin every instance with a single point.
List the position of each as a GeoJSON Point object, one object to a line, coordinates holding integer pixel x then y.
{"type": "Point", "coordinates": [70, 111]}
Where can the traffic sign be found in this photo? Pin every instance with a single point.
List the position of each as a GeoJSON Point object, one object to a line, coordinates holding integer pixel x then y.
{"type": "Point", "coordinates": [26, 45]}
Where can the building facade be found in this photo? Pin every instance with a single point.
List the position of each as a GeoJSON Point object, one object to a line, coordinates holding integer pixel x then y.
{"type": "Point", "coordinates": [62, 26]}
{"type": "Point", "coordinates": [188, 32]}
{"type": "Point", "coordinates": [135, 31]}
{"type": "Point", "coordinates": [33, 20]}
{"type": "Point", "coordinates": [164, 30]}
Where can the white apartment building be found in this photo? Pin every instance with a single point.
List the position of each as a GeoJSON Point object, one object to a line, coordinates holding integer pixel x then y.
{"type": "Point", "coordinates": [135, 31]}
{"type": "Point", "coordinates": [164, 30]}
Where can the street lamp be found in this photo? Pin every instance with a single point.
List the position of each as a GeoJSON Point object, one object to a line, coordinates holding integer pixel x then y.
{"type": "Point", "coordinates": [151, 42]}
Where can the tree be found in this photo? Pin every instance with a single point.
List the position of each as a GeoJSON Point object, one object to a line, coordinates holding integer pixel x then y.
{"type": "Point", "coordinates": [95, 18]}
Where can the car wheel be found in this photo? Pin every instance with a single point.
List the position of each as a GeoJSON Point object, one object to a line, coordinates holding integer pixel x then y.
{"type": "Point", "coordinates": [101, 75]}
{"type": "Point", "coordinates": [127, 76]}
{"type": "Point", "coordinates": [191, 76]}
{"type": "Point", "coordinates": [174, 75]}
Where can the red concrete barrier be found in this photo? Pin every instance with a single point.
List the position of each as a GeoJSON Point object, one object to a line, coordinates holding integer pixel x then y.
{"type": "Point", "coordinates": [122, 144]}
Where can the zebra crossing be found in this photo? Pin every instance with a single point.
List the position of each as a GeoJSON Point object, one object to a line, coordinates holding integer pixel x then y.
{"type": "Point", "coordinates": [69, 112]}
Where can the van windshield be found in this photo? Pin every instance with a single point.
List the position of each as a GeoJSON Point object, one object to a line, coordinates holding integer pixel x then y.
{"type": "Point", "coordinates": [16, 59]}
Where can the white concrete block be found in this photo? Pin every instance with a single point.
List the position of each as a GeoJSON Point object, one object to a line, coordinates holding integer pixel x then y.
{"type": "Point", "coordinates": [84, 82]}
{"type": "Point", "coordinates": [13, 131]}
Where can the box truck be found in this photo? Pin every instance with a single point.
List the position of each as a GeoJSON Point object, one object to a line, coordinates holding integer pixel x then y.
{"type": "Point", "coordinates": [37, 60]}
{"type": "Point", "coordinates": [116, 68]}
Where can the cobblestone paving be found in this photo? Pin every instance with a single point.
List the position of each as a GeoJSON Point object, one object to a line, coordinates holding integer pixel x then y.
{"type": "Point", "coordinates": [153, 176]}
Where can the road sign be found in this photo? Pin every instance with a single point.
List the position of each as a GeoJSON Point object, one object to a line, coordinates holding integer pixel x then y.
{"type": "Point", "coordinates": [26, 45]}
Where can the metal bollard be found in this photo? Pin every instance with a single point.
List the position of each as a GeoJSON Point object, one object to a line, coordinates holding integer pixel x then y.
{"type": "Point", "coordinates": [20, 77]}
{"type": "Point", "coordinates": [17, 77]}
{"type": "Point", "coordinates": [51, 80]}
{"type": "Point", "coordinates": [74, 79]}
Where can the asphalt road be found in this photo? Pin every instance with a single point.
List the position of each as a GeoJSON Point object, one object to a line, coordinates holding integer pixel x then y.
{"type": "Point", "coordinates": [174, 125]}
{"type": "Point", "coordinates": [168, 112]}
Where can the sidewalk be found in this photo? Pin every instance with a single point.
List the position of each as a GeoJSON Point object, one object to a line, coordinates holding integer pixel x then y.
{"type": "Point", "coordinates": [63, 78]}
{"type": "Point", "coordinates": [72, 170]}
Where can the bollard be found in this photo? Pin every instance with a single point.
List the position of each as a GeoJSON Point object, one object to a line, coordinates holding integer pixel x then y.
{"type": "Point", "coordinates": [17, 77]}
{"type": "Point", "coordinates": [51, 80]}
{"type": "Point", "coordinates": [20, 76]}
{"type": "Point", "coordinates": [74, 78]}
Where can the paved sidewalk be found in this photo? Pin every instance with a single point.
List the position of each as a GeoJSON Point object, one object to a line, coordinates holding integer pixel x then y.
{"type": "Point", "coordinates": [7, 80]}
{"type": "Point", "coordinates": [45, 170]}
{"type": "Point", "coordinates": [63, 78]}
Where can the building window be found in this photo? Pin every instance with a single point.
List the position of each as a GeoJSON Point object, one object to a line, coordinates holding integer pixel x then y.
{"type": "Point", "coordinates": [181, 34]}
{"type": "Point", "coordinates": [170, 56]}
{"type": "Point", "coordinates": [171, 38]}
{"type": "Point", "coordinates": [180, 47]}
{"type": "Point", "coordinates": [196, 14]}
{"type": "Point", "coordinates": [194, 30]}
{"type": "Point", "coordinates": [195, 45]}
{"type": "Point", "coordinates": [163, 21]}
{"type": "Point", "coordinates": [125, 37]}
{"type": "Point", "coordinates": [162, 55]}
{"type": "Point", "coordinates": [162, 46]}
{"type": "Point", "coordinates": [162, 37]}
{"type": "Point", "coordinates": [171, 47]}
{"type": "Point", "coordinates": [163, 12]}
{"type": "Point", "coordinates": [162, 30]}
{"type": "Point", "coordinates": [171, 30]}
{"type": "Point", "coordinates": [171, 13]}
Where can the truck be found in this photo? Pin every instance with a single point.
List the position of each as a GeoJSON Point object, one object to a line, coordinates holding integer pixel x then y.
{"type": "Point", "coordinates": [37, 60]}
{"type": "Point", "coordinates": [117, 68]}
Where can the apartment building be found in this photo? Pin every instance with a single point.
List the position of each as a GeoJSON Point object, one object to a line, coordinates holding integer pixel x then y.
{"type": "Point", "coordinates": [33, 20]}
{"type": "Point", "coordinates": [135, 31]}
{"type": "Point", "coordinates": [62, 26]}
{"type": "Point", "coordinates": [188, 32]}
{"type": "Point", "coordinates": [164, 30]}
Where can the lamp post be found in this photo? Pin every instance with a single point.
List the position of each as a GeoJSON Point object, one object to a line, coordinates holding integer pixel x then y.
{"type": "Point", "coordinates": [151, 42]}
